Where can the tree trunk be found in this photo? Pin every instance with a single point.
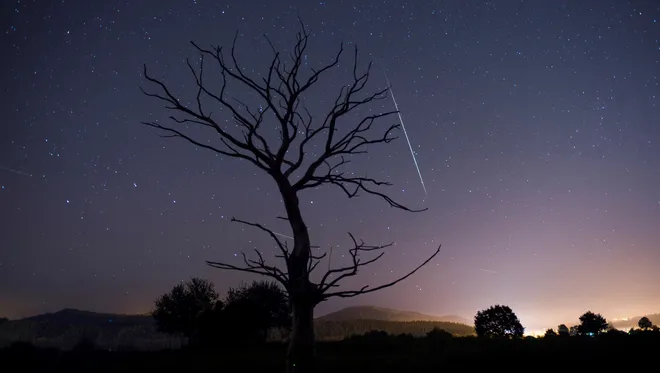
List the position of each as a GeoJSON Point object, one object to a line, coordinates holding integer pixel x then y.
{"type": "Point", "coordinates": [302, 293]}
{"type": "Point", "coordinates": [301, 353]}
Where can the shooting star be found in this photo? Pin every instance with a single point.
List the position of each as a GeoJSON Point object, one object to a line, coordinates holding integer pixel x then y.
{"type": "Point", "coordinates": [488, 271]}
{"type": "Point", "coordinates": [291, 238]}
{"type": "Point", "coordinates": [282, 235]}
{"type": "Point", "coordinates": [412, 152]}
{"type": "Point", "coordinates": [17, 172]}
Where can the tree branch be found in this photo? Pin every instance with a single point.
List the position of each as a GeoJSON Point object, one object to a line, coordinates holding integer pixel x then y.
{"type": "Point", "coordinates": [231, 152]}
{"type": "Point", "coordinates": [354, 142]}
{"type": "Point", "coordinates": [257, 266]}
{"type": "Point", "coordinates": [366, 289]}
{"type": "Point", "coordinates": [249, 150]}
{"type": "Point", "coordinates": [352, 269]}
{"type": "Point", "coordinates": [280, 245]}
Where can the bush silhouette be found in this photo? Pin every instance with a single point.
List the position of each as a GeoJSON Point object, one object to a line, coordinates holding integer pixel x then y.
{"type": "Point", "coordinates": [374, 335]}
{"type": "Point", "coordinates": [615, 333]}
{"type": "Point", "coordinates": [85, 344]}
{"type": "Point", "coordinates": [498, 321]}
{"type": "Point", "coordinates": [251, 311]}
{"type": "Point", "coordinates": [180, 310]}
{"type": "Point", "coordinates": [591, 324]}
{"type": "Point", "coordinates": [644, 323]}
{"type": "Point", "coordinates": [550, 333]}
{"type": "Point", "coordinates": [438, 335]}
{"type": "Point", "coordinates": [562, 330]}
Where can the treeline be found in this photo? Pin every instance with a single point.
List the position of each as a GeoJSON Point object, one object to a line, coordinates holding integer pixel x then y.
{"type": "Point", "coordinates": [337, 330]}
{"type": "Point", "coordinates": [372, 352]}
{"type": "Point", "coordinates": [110, 336]}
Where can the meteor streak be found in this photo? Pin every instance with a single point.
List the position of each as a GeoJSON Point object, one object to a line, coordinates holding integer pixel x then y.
{"type": "Point", "coordinates": [412, 152]}
{"type": "Point", "coordinates": [282, 235]}
{"type": "Point", "coordinates": [17, 172]}
{"type": "Point", "coordinates": [488, 271]}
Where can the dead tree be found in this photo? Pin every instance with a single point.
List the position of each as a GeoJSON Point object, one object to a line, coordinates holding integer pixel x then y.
{"type": "Point", "coordinates": [280, 92]}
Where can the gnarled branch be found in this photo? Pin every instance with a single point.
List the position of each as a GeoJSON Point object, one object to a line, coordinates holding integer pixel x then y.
{"type": "Point", "coordinates": [258, 267]}
{"type": "Point", "coordinates": [356, 262]}
{"type": "Point", "coordinates": [353, 269]}
{"type": "Point", "coordinates": [282, 246]}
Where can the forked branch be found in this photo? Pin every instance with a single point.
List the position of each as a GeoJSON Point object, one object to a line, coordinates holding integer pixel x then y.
{"type": "Point", "coordinates": [280, 245]}
{"type": "Point", "coordinates": [351, 270]}
{"type": "Point", "coordinates": [259, 265]}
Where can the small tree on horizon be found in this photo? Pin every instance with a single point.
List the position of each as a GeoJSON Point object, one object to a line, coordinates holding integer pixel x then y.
{"type": "Point", "coordinates": [438, 335]}
{"type": "Point", "coordinates": [252, 310]}
{"type": "Point", "coordinates": [180, 310]}
{"type": "Point", "coordinates": [563, 331]}
{"type": "Point", "coordinates": [550, 333]}
{"type": "Point", "coordinates": [644, 323]}
{"type": "Point", "coordinates": [592, 324]}
{"type": "Point", "coordinates": [498, 321]}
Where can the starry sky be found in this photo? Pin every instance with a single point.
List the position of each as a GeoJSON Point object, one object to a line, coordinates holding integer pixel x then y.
{"type": "Point", "coordinates": [534, 124]}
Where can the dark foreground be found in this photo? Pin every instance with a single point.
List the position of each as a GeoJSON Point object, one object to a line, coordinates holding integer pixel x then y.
{"type": "Point", "coordinates": [375, 353]}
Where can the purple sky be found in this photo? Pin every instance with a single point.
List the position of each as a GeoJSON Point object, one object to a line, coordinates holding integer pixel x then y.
{"type": "Point", "coordinates": [534, 124]}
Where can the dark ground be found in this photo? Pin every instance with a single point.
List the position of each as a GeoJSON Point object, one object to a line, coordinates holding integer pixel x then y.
{"type": "Point", "coordinates": [366, 354]}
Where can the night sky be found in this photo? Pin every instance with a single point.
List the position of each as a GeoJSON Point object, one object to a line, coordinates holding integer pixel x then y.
{"type": "Point", "coordinates": [535, 125]}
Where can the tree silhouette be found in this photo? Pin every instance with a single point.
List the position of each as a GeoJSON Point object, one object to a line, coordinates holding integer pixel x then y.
{"type": "Point", "coordinates": [645, 323]}
{"type": "Point", "coordinates": [211, 326]}
{"type": "Point", "coordinates": [289, 161]}
{"type": "Point", "coordinates": [438, 335]}
{"type": "Point", "coordinates": [550, 333]}
{"type": "Point", "coordinates": [181, 310]}
{"type": "Point", "coordinates": [253, 310]}
{"type": "Point", "coordinates": [498, 321]}
{"type": "Point", "coordinates": [562, 330]}
{"type": "Point", "coordinates": [592, 324]}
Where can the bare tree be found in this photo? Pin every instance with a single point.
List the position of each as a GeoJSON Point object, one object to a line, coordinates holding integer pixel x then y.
{"type": "Point", "coordinates": [280, 94]}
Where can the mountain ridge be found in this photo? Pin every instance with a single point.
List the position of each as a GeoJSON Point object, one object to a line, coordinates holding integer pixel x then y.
{"type": "Point", "coordinates": [365, 312]}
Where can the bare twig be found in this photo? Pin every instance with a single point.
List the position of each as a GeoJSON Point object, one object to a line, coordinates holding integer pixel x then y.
{"type": "Point", "coordinates": [257, 267]}
{"type": "Point", "coordinates": [367, 289]}
{"type": "Point", "coordinates": [356, 263]}
{"type": "Point", "coordinates": [280, 245]}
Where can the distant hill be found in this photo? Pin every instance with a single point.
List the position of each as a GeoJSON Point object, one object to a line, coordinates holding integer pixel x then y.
{"type": "Point", "coordinates": [387, 314]}
{"type": "Point", "coordinates": [632, 322]}
{"type": "Point", "coordinates": [65, 328]}
{"type": "Point", "coordinates": [359, 320]}
{"type": "Point", "coordinates": [89, 318]}
{"type": "Point", "coordinates": [333, 330]}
